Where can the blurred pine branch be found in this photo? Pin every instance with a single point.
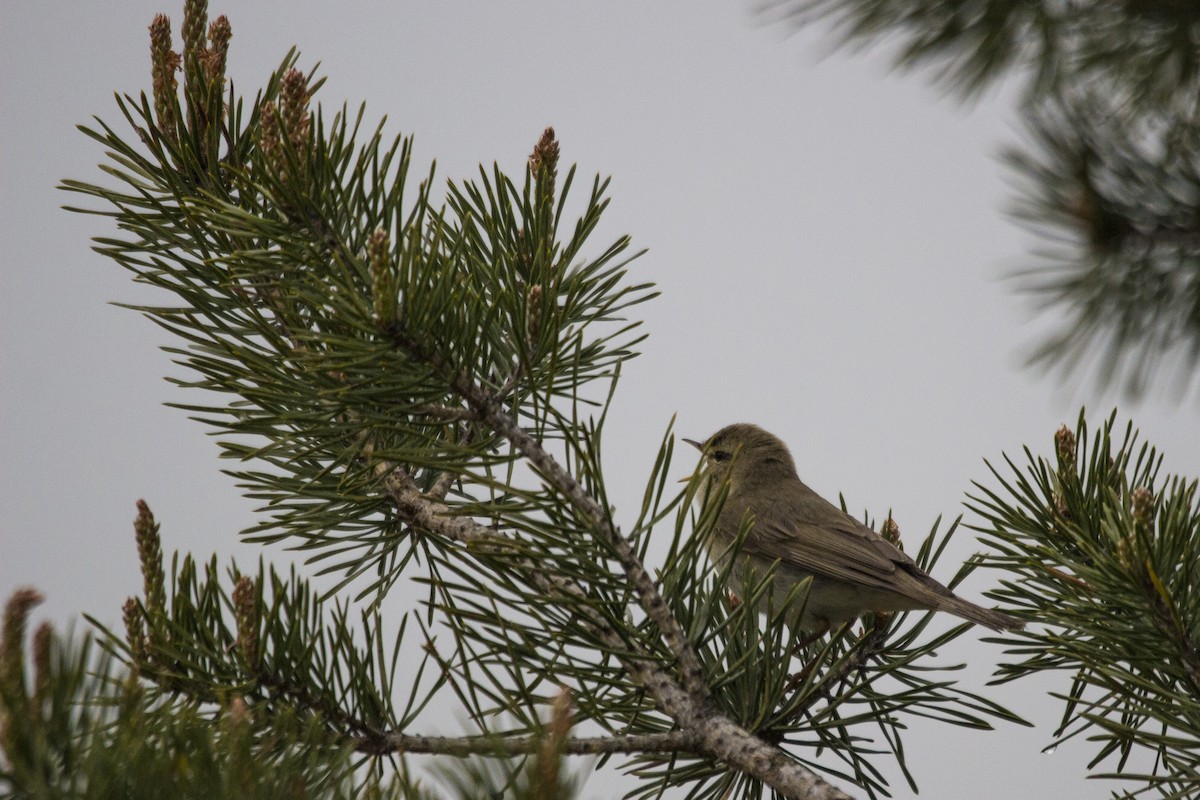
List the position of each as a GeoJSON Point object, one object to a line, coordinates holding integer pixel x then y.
{"type": "Point", "coordinates": [1108, 177]}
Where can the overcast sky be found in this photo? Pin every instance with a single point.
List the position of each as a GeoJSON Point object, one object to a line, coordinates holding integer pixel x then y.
{"type": "Point", "coordinates": [828, 236]}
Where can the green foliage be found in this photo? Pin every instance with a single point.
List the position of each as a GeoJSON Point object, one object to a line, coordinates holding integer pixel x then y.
{"type": "Point", "coordinates": [93, 731]}
{"type": "Point", "coordinates": [288, 656]}
{"type": "Point", "coordinates": [1105, 552]}
{"type": "Point", "coordinates": [507, 631]}
{"type": "Point", "coordinates": [1108, 177]}
{"type": "Point", "coordinates": [214, 697]}
{"type": "Point", "coordinates": [269, 260]}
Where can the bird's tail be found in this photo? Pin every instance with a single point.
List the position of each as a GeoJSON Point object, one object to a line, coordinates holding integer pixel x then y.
{"type": "Point", "coordinates": [996, 620]}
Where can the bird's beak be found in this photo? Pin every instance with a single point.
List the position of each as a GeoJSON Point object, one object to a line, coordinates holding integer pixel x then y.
{"type": "Point", "coordinates": [699, 447]}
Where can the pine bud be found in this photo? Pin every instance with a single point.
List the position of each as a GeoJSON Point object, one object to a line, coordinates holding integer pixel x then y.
{"type": "Point", "coordinates": [149, 547]}
{"type": "Point", "coordinates": [543, 163]}
{"type": "Point", "coordinates": [195, 20]}
{"type": "Point", "coordinates": [294, 109]}
{"type": "Point", "coordinates": [533, 322]}
{"type": "Point", "coordinates": [891, 532]}
{"type": "Point", "coordinates": [164, 63]}
{"type": "Point", "coordinates": [12, 662]}
{"type": "Point", "coordinates": [1064, 443]}
{"type": "Point", "coordinates": [270, 141]}
{"type": "Point", "coordinates": [1142, 500]}
{"type": "Point", "coordinates": [135, 632]}
{"type": "Point", "coordinates": [245, 610]}
{"type": "Point", "coordinates": [383, 292]}
{"type": "Point", "coordinates": [43, 639]}
{"type": "Point", "coordinates": [215, 57]}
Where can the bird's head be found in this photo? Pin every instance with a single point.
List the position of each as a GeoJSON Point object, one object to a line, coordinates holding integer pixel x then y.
{"type": "Point", "coordinates": [744, 454]}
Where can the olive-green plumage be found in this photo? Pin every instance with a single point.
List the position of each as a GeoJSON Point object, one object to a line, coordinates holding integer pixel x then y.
{"type": "Point", "coordinates": [854, 570]}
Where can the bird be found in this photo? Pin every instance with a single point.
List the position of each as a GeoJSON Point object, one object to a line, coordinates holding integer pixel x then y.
{"type": "Point", "coordinates": [853, 569]}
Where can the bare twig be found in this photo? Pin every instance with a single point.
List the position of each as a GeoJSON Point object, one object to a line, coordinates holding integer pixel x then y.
{"type": "Point", "coordinates": [671, 742]}
{"type": "Point", "coordinates": [448, 413]}
{"type": "Point", "coordinates": [445, 479]}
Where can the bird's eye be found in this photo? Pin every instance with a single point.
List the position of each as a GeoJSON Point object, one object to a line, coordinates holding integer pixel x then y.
{"type": "Point", "coordinates": [721, 455]}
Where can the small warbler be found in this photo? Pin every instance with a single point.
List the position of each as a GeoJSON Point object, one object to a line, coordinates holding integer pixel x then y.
{"type": "Point", "coordinates": [853, 569]}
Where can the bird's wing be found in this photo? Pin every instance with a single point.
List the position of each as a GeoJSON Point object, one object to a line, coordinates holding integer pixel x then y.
{"type": "Point", "coordinates": [816, 536]}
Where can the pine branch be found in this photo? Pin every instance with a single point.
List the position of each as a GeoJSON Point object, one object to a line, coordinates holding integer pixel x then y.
{"type": "Point", "coordinates": [182, 642]}
{"type": "Point", "coordinates": [460, 746]}
{"type": "Point", "coordinates": [1106, 558]}
{"type": "Point", "coordinates": [1114, 193]}
{"type": "Point", "coordinates": [708, 732]}
{"type": "Point", "coordinates": [81, 726]}
{"type": "Point", "coordinates": [490, 412]}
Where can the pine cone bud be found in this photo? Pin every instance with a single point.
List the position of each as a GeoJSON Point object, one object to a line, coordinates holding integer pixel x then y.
{"type": "Point", "coordinates": [12, 642]}
{"type": "Point", "coordinates": [245, 609]}
{"type": "Point", "coordinates": [135, 631]}
{"type": "Point", "coordinates": [270, 141]}
{"type": "Point", "coordinates": [43, 639]}
{"type": "Point", "coordinates": [149, 547]}
{"type": "Point", "coordinates": [164, 63]}
{"type": "Point", "coordinates": [1064, 443]}
{"type": "Point", "coordinates": [1142, 500]}
{"type": "Point", "coordinates": [891, 532]}
{"type": "Point", "coordinates": [533, 322]}
{"type": "Point", "coordinates": [383, 291]}
{"type": "Point", "coordinates": [543, 163]}
{"type": "Point", "coordinates": [215, 57]}
{"type": "Point", "coordinates": [195, 21]}
{"type": "Point", "coordinates": [297, 121]}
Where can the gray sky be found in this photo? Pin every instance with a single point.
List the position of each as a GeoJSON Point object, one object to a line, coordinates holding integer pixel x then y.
{"type": "Point", "coordinates": [828, 237]}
